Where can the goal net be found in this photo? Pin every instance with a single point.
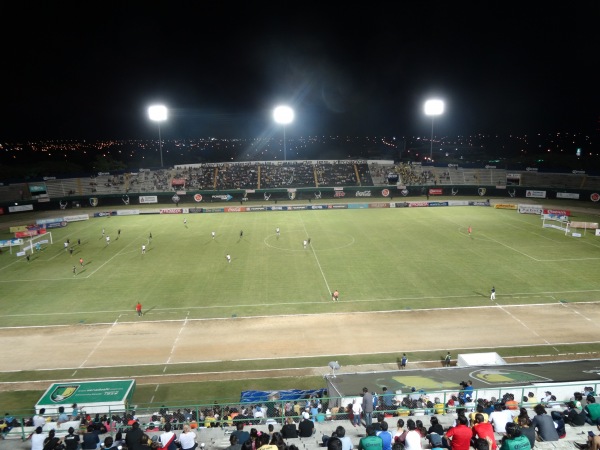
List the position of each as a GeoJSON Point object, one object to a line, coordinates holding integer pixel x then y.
{"type": "Point", "coordinates": [556, 221]}
{"type": "Point", "coordinates": [36, 243]}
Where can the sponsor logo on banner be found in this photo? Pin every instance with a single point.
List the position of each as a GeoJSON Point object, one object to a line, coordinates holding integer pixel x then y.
{"type": "Point", "coordinates": [148, 199]}
{"type": "Point", "coordinates": [595, 197]}
{"type": "Point", "coordinates": [195, 210]}
{"type": "Point", "coordinates": [198, 197]}
{"type": "Point", "coordinates": [438, 203]}
{"type": "Point", "coordinates": [171, 211]}
{"type": "Point", "coordinates": [175, 198]}
{"type": "Point", "coordinates": [569, 195]}
{"type": "Point", "coordinates": [481, 191]}
{"type": "Point", "coordinates": [225, 198]}
{"type": "Point", "coordinates": [379, 205]}
{"type": "Point", "coordinates": [579, 172]}
{"type": "Point", "coordinates": [435, 191]}
{"type": "Point", "coordinates": [93, 201]}
{"type": "Point", "coordinates": [63, 392]}
{"type": "Point", "coordinates": [318, 207]}
{"type": "Point", "coordinates": [531, 169]}
{"type": "Point", "coordinates": [557, 212]}
{"type": "Point", "coordinates": [505, 206]}
{"type": "Point", "coordinates": [235, 209]}
{"type": "Point", "coordinates": [404, 192]}
{"type": "Point", "coordinates": [417, 204]}
{"type": "Point", "coordinates": [530, 209]}
{"type": "Point", "coordinates": [19, 208]}
{"type": "Point", "coordinates": [56, 225]}
{"type": "Point", "coordinates": [385, 192]}
{"type": "Point", "coordinates": [292, 194]}
{"type": "Point", "coordinates": [339, 194]}
{"type": "Point", "coordinates": [535, 194]}
{"type": "Point", "coordinates": [257, 208]}
{"type": "Point", "coordinates": [363, 193]}
{"type": "Point", "coordinates": [339, 206]}
{"type": "Point", "coordinates": [486, 203]}
{"type": "Point", "coordinates": [77, 218]}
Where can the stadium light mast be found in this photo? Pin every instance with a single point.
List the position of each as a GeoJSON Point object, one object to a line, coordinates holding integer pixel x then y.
{"type": "Point", "coordinates": [158, 114]}
{"type": "Point", "coordinates": [433, 107]}
{"type": "Point", "coordinates": [283, 115]}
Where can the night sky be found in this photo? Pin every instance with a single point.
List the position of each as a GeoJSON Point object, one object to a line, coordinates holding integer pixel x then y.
{"type": "Point", "coordinates": [90, 70]}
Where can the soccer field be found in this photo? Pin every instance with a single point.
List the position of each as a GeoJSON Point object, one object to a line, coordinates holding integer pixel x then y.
{"type": "Point", "coordinates": [378, 259]}
{"type": "Point", "coordinates": [410, 280]}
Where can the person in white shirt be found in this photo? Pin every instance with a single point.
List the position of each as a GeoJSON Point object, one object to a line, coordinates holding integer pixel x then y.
{"type": "Point", "coordinates": [187, 439]}
{"type": "Point", "coordinates": [168, 437]}
{"type": "Point", "coordinates": [37, 439]}
{"type": "Point", "coordinates": [499, 418]}
{"type": "Point", "coordinates": [39, 420]}
{"type": "Point", "coordinates": [413, 437]}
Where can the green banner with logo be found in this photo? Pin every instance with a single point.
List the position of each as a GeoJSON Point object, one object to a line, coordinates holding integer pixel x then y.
{"type": "Point", "coordinates": [109, 394]}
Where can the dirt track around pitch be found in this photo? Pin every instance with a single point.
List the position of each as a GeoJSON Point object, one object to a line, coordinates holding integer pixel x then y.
{"type": "Point", "coordinates": [150, 341]}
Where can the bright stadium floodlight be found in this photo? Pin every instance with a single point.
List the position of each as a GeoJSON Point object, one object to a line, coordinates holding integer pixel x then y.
{"type": "Point", "coordinates": [283, 115]}
{"type": "Point", "coordinates": [158, 114]}
{"type": "Point", "coordinates": [433, 108]}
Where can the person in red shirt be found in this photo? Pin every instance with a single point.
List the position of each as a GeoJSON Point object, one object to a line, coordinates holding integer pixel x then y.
{"type": "Point", "coordinates": [138, 308]}
{"type": "Point", "coordinates": [484, 430]}
{"type": "Point", "coordinates": [459, 437]}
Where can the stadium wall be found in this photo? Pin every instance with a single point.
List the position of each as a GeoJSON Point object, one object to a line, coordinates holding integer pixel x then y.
{"type": "Point", "coordinates": [272, 196]}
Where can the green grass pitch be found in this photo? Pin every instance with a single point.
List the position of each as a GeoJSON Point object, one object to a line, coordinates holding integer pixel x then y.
{"type": "Point", "coordinates": [378, 259]}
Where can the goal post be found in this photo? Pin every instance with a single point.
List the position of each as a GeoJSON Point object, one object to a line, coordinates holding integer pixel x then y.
{"type": "Point", "coordinates": [556, 221]}
{"type": "Point", "coordinates": [35, 242]}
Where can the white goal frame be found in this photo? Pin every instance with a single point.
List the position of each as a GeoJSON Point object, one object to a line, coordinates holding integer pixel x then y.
{"type": "Point", "coordinates": [557, 222]}
{"type": "Point", "coordinates": [45, 238]}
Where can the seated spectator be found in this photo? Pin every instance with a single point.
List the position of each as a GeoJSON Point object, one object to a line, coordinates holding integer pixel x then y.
{"type": "Point", "coordinates": [592, 411]}
{"type": "Point", "coordinates": [483, 430]}
{"type": "Point", "coordinates": [412, 440]}
{"type": "Point", "coordinates": [559, 424]}
{"type": "Point", "coordinates": [233, 443]}
{"type": "Point", "coordinates": [377, 425]}
{"type": "Point", "coordinates": [62, 415]}
{"type": "Point", "coordinates": [242, 436]}
{"type": "Point", "coordinates": [523, 413]}
{"type": "Point", "coordinates": [71, 440]}
{"type": "Point", "coordinates": [263, 441]}
{"type": "Point", "coordinates": [513, 439]}
{"type": "Point", "coordinates": [289, 430]}
{"type": "Point", "coordinates": [90, 439]}
{"type": "Point", "coordinates": [527, 431]}
{"type": "Point", "coordinates": [37, 438]}
{"type": "Point", "coordinates": [436, 426]}
{"type": "Point", "coordinates": [574, 417]}
{"type": "Point", "coordinates": [306, 427]}
{"type": "Point", "coordinates": [544, 425]}
{"type": "Point", "coordinates": [459, 436]}
{"type": "Point", "coordinates": [385, 436]}
{"type": "Point", "coordinates": [593, 442]}
{"type": "Point", "coordinates": [52, 442]}
{"type": "Point", "coordinates": [499, 418]}
{"type": "Point", "coordinates": [373, 442]}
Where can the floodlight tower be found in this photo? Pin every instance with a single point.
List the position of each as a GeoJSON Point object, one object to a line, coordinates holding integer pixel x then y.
{"type": "Point", "coordinates": [158, 114]}
{"type": "Point", "coordinates": [433, 107]}
{"type": "Point", "coordinates": [283, 115]}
